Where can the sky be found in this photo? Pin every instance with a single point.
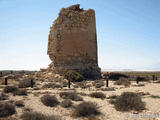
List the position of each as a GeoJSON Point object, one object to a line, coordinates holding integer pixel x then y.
{"type": "Point", "coordinates": [128, 32]}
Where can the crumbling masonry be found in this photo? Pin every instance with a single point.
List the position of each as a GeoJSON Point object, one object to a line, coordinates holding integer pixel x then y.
{"type": "Point", "coordinates": [72, 42]}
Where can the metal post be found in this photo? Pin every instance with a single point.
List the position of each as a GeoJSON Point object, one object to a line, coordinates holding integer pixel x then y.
{"type": "Point", "coordinates": [0, 74]}
{"type": "Point", "coordinates": [69, 83]}
{"type": "Point", "coordinates": [31, 83]}
{"type": "Point", "coordinates": [5, 81]}
{"type": "Point", "coordinates": [107, 82]}
{"type": "Point", "coordinates": [156, 78]}
{"type": "Point", "coordinates": [137, 80]}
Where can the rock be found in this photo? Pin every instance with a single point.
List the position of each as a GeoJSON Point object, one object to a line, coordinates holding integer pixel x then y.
{"type": "Point", "coordinates": [72, 42]}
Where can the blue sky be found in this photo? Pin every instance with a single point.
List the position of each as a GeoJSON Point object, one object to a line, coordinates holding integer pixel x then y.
{"type": "Point", "coordinates": [128, 32]}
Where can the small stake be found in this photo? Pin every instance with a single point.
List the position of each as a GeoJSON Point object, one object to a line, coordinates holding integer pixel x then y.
{"type": "Point", "coordinates": [31, 83]}
{"type": "Point", "coordinates": [156, 78]}
{"type": "Point", "coordinates": [6, 81]}
{"type": "Point", "coordinates": [69, 83]}
{"type": "Point", "coordinates": [0, 74]}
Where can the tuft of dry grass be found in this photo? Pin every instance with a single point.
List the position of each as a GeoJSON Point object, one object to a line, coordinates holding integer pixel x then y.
{"type": "Point", "coordinates": [3, 97]}
{"type": "Point", "coordinates": [49, 100]}
{"type": "Point", "coordinates": [20, 92]}
{"type": "Point", "coordinates": [66, 103]}
{"type": "Point", "coordinates": [19, 103]}
{"type": "Point", "coordinates": [123, 81]}
{"type": "Point", "coordinates": [108, 89]}
{"type": "Point", "coordinates": [7, 109]}
{"type": "Point", "coordinates": [25, 83]}
{"type": "Point", "coordinates": [128, 101]}
{"type": "Point", "coordinates": [10, 89]}
{"type": "Point", "coordinates": [52, 85]}
{"type": "Point", "coordinates": [38, 116]}
{"type": "Point", "coordinates": [86, 109]}
{"type": "Point", "coordinates": [98, 83]}
{"type": "Point", "coordinates": [70, 95]}
{"type": "Point", "coordinates": [98, 95]}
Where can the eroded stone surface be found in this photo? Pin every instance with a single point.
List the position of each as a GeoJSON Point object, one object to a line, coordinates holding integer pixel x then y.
{"type": "Point", "coordinates": [72, 41]}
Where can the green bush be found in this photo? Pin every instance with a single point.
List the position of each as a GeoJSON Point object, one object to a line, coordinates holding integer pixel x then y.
{"type": "Point", "coordinates": [73, 76]}
{"type": "Point", "coordinates": [128, 101]}
{"type": "Point", "coordinates": [86, 109]}
{"type": "Point", "coordinates": [6, 109]}
{"type": "Point", "coordinates": [38, 116]}
{"type": "Point", "coordinates": [49, 100]}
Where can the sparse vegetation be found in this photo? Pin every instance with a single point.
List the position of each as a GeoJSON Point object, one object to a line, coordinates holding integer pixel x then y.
{"type": "Point", "coordinates": [128, 101]}
{"type": "Point", "coordinates": [20, 92]}
{"type": "Point", "coordinates": [108, 89]}
{"type": "Point", "coordinates": [6, 109]}
{"type": "Point", "coordinates": [49, 100]}
{"type": "Point", "coordinates": [70, 95]}
{"type": "Point", "coordinates": [3, 97]}
{"type": "Point", "coordinates": [117, 76]}
{"type": "Point", "coordinates": [52, 85]}
{"type": "Point", "coordinates": [123, 81]}
{"type": "Point", "coordinates": [38, 116]}
{"type": "Point", "coordinates": [25, 83]}
{"type": "Point", "coordinates": [98, 95]}
{"type": "Point", "coordinates": [19, 103]}
{"type": "Point", "coordinates": [66, 103]}
{"type": "Point", "coordinates": [10, 89]}
{"type": "Point", "coordinates": [98, 83]}
{"type": "Point", "coordinates": [86, 109]}
{"type": "Point", "coordinates": [142, 78]}
{"type": "Point", "coordinates": [73, 76]}
{"type": "Point", "coordinates": [155, 96]}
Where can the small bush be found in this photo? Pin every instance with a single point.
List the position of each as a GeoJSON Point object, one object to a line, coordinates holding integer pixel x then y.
{"type": "Point", "coordinates": [117, 76]}
{"type": "Point", "coordinates": [25, 83]}
{"type": "Point", "coordinates": [52, 85]}
{"type": "Point", "coordinates": [142, 79]}
{"type": "Point", "coordinates": [10, 89]}
{"type": "Point", "coordinates": [49, 100]}
{"type": "Point", "coordinates": [123, 81]}
{"type": "Point", "coordinates": [70, 95]}
{"type": "Point", "coordinates": [129, 101]}
{"type": "Point", "coordinates": [98, 95]}
{"type": "Point", "coordinates": [73, 76]}
{"type": "Point", "coordinates": [98, 83]}
{"type": "Point", "coordinates": [19, 103]}
{"type": "Point", "coordinates": [66, 103]}
{"type": "Point", "coordinates": [20, 92]}
{"type": "Point", "coordinates": [6, 109]}
{"type": "Point", "coordinates": [86, 109]}
{"type": "Point", "coordinates": [38, 116]}
{"type": "Point", "coordinates": [3, 97]}
{"type": "Point", "coordinates": [108, 89]}
{"type": "Point", "coordinates": [83, 85]}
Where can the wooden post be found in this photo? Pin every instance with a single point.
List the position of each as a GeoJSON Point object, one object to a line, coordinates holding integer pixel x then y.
{"type": "Point", "coordinates": [107, 82]}
{"type": "Point", "coordinates": [156, 78]}
{"type": "Point", "coordinates": [153, 76]}
{"type": "Point", "coordinates": [31, 83]}
{"type": "Point", "coordinates": [0, 74]}
{"type": "Point", "coordinates": [69, 84]}
{"type": "Point", "coordinates": [5, 81]}
{"type": "Point", "coordinates": [137, 80]}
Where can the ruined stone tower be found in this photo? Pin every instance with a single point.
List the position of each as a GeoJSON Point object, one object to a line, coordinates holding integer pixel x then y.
{"type": "Point", "coordinates": [72, 42]}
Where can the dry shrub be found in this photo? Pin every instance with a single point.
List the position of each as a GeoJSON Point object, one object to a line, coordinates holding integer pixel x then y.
{"type": "Point", "coordinates": [20, 92]}
{"type": "Point", "coordinates": [73, 76]}
{"type": "Point", "coordinates": [123, 81]}
{"type": "Point", "coordinates": [70, 95]}
{"type": "Point", "coordinates": [155, 96]}
{"type": "Point", "coordinates": [49, 100]}
{"type": "Point", "coordinates": [3, 97]}
{"type": "Point", "coordinates": [52, 85]}
{"type": "Point", "coordinates": [66, 103]}
{"type": "Point", "coordinates": [38, 116]}
{"type": "Point", "coordinates": [117, 76]}
{"type": "Point", "coordinates": [10, 89]}
{"type": "Point", "coordinates": [86, 109]}
{"type": "Point", "coordinates": [142, 79]}
{"type": "Point", "coordinates": [98, 95]}
{"type": "Point", "coordinates": [98, 83]}
{"type": "Point", "coordinates": [6, 109]}
{"type": "Point", "coordinates": [128, 101]}
{"type": "Point", "coordinates": [108, 89]}
{"type": "Point", "coordinates": [25, 83]}
{"type": "Point", "coordinates": [19, 103]}
{"type": "Point", "coordinates": [64, 83]}
{"type": "Point", "coordinates": [83, 85]}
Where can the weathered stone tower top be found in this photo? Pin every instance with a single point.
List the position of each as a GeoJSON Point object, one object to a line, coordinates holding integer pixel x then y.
{"type": "Point", "coordinates": [72, 42]}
